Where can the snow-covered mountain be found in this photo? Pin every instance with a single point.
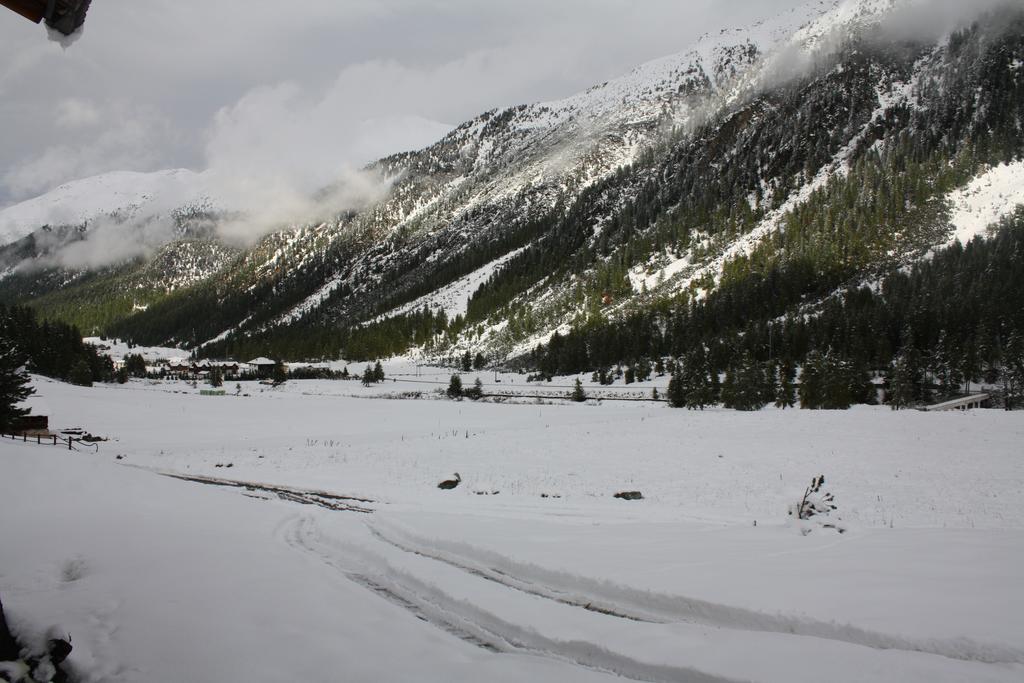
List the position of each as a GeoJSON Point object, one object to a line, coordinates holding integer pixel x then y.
{"type": "Point", "coordinates": [121, 193]}
{"type": "Point", "coordinates": [653, 187]}
{"type": "Point", "coordinates": [600, 129]}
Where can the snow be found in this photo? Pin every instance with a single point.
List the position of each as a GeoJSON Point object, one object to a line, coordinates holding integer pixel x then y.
{"type": "Point", "coordinates": [65, 41]}
{"type": "Point", "coordinates": [310, 303]}
{"type": "Point", "coordinates": [680, 271]}
{"type": "Point", "coordinates": [991, 196]}
{"type": "Point", "coordinates": [454, 297]}
{"type": "Point", "coordinates": [629, 97]}
{"type": "Point", "coordinates": [117, 349]}
{"type": "Point", "coordinates": [83, 200]}
{"type": "Point", "coordinates": [163, 579]}
{"type": "Point", "coordinates": [226, 333]}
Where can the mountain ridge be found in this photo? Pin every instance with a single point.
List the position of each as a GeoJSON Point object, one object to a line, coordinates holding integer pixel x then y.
{"type": "Point", "coordinates": [655, 187]}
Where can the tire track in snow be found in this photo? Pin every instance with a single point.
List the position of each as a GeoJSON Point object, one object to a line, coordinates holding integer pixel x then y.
{"type": "Point", "coordinates": [302, 533]}
{"type": "Point", "coordinates": [646, 606]}
{"type": "Point", "coordinates": [522, 585]}
{"type": "Point", "coordinates": [470, 623]}
{"type": "Point", "coordinates": [330, 501]}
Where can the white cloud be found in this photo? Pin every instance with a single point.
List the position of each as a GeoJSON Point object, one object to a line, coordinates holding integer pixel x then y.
{"type": "Point", "coordinates": [930, 19]}
{"type": "Point", "coordinates": [130, 137]}
{"type": "Point", "coordinates": [76, 113]}
{"type": "Point", "coordinates": [277, 146]}
{"type": "Point", "coordinates": [400, 64]}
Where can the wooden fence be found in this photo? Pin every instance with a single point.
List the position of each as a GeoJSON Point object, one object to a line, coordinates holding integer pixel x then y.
{"type": "Point", "coordinates": [53, 440]}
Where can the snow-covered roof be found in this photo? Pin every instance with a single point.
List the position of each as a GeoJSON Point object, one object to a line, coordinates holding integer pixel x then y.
{"type": "Point", "coordinates": [262, 361]}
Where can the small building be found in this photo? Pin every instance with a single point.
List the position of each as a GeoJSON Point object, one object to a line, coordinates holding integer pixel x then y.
{"type": "Point", "coordinates": [31, 425]}
{"type": "Point", "coordinates": [228, 368]}
{"type": "Point", "coordinates": [179, 368]}
{"type": "Point", "coordinates": [263, 367]}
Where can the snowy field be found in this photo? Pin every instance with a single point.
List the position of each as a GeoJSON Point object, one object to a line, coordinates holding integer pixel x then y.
{"type": "Point", "coordinates": [345, 562]}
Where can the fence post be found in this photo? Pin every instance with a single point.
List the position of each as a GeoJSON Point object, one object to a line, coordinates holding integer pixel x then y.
{"type": "Point", "coordinates": [71, 440]}
{"type": "Point", "coordinates": [54, 439]}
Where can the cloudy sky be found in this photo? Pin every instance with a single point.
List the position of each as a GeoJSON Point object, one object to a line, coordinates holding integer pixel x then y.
{"type": "Point", "coordinates": [233, 85]}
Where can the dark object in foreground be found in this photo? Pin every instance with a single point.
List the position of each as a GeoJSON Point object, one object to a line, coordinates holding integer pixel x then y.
{"type": "Point", "coordinates": [44, 667]}
{"type": "Point", "coordinates": [630, 495]}
{"type": "Point", "coordinates": [63, 16]}
{"type": "Point", "coordinates": [59, 650]}
{"type": "Point", "coordinates": [8, 648]}
{"type": "Point", "coordinates": [449, 484]}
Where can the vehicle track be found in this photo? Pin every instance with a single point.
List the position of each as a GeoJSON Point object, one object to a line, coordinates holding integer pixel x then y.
{"type": "Point", "coordinates": [645, 606]}
{"type": "Point", "coordinates": [618, 602]}
{"type": "Point", "coordinates": [470, 623]}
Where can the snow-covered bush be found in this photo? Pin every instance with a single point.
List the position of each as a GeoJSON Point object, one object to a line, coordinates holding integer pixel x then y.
{"type": "Point", "coordinates": [817, 508]}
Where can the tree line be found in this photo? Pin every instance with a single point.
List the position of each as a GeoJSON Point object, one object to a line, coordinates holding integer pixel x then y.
{"type": "Point", "coordinates": [924, 333]}
{"type": "Point", "coordinates": [52, 348]}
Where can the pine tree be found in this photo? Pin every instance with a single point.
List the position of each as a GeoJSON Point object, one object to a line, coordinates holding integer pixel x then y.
{"type": "Point", "coordinates": [676, 393]}
{"type": "Point", "coordinates": [14, 384]}
{"type": "Point", "coordinates": [643, 370]}
{"type": "Point", "coordinates": [945, 367]}
{"type": "Point", "coordinates": [900, 382]}
{"type": "Point", "coordinates": [744, 385]}
{"type": "Point", "coordinates": [467, 362]}
{"type": "Point", "coordinates": [378, 372]}
{"type": "Point", "coordinates": [455, 387]}
{"type": "Point", "coordinates": [475, 392]}
{"type": "Point", "coordinates": [697, 386]}
{"type": "Point", "coordinates": [988, 356]}
{"type": "Point", "coordinates": [578, 394]}
{"type": "Point", "coordinates": [729, 387]}
{"type": "Point", "coordinates": [368, 376]}
{"type": "Point", "coordinates": [479, 362]}
{"type": "Point", "coordinates": [216, 377]}
{"type": "Point", "coordinates": [1012, 370]}
{"type": "Point", "coordinates": [81, 373]}
{"type": "Point", "coordinates": [785, 395]}
{"type": "Point", "coordinates": [135, 364]}
{"type": "Point", "coordinates": [838, 377]}
{"type": "Point", "coordinates": [860, 387]}
{"type": "Point", "coordinates": [826, 382]}
{"type": "Point", "coordinates": [969, 363]}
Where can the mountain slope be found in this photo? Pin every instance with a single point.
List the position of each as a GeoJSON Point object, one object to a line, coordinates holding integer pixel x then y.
{"type": "Point", "coordinates": [119, 193]}
{"type": "Point", "coordinates": [814, 137]}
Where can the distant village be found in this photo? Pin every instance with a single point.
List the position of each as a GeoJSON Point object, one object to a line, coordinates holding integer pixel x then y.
{"type": "Point", "coordinates": [188, 369]}
{"type": "Point", "coordinates": [142, 363]}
